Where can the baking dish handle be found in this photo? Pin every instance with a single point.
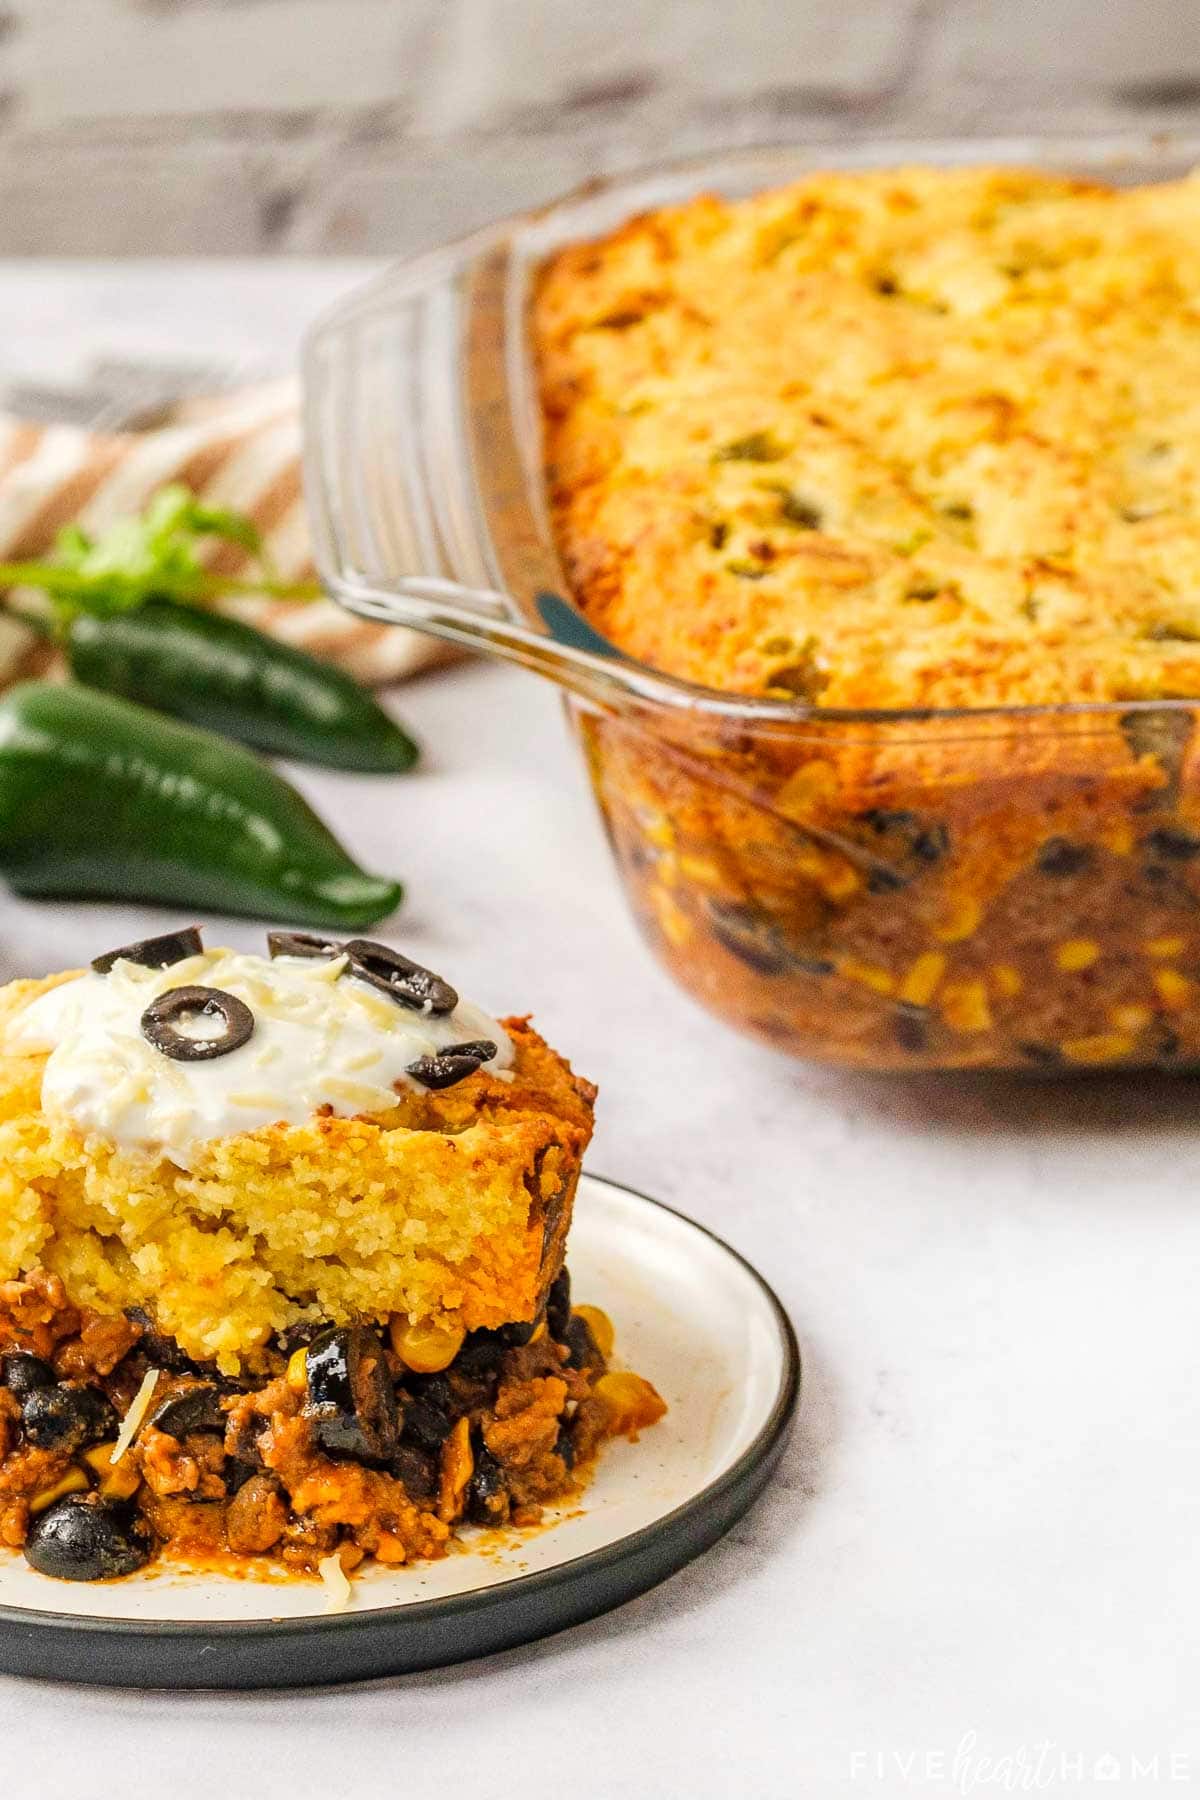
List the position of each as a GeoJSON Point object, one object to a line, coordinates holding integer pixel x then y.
{"type": "Point", "coordinates": [399, 530]}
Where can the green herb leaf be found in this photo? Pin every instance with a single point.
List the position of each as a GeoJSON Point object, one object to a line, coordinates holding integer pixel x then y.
{"type": "Point", "coordinates": [154, 555]}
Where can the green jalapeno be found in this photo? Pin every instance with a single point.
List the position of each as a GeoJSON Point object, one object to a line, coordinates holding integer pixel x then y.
{"type": "Point", "coordinates": [224, 675]}
{"type": "Point", "coordinates": [101, 799]}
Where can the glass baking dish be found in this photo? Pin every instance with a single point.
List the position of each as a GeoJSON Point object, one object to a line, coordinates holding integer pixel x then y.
{"type": "Point", "coordinates": [1009, 888]}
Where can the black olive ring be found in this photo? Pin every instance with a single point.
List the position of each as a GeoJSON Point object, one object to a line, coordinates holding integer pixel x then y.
{"type": "Point", "coordinates": [158, 1023]}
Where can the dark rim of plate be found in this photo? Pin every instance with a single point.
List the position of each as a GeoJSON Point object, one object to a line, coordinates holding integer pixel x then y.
{"type": "Point", "coordinates": [758, 1457]}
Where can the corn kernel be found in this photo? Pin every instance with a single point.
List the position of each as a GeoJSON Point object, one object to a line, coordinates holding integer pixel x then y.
{"type": "Point", "coordinates": [1165, 946]}
{"type": "Point", "coordinates": [964, 1006]}
{"type": "Point", "coordinates": [1131, 1018]}
{"type": "Point", "coordinates": [600, 1326]}
{"type": "Point", "coordinates": [1074, 954]}
{"type": "Point", "coordinates": [660, 831]}
{"type": "Point", "coordinates": [1007, 981]}
{"type": "Point", "coordinates": [815, 781]}
{"type": "Point", "coordinates": [1101, 1047]}
{"type": "Point", "coordinates": [1174, 989]}
{"type": "Point", "coordinates": [960, 917]}
{"type": "Point", "coordinates": [867, 975]}
{"type": "Point", "coordinates": [923, 979]}
{"type": "Point", "coordinates": [631, 1401]}
{"type": "Point", "coordinates": [458, 1466]}
{"type": "Point", "coordinates": [838, 879]}
{"type": "Point", "coordinates": [297, 1370]}
{"type": "Point", "coordinates": [674, 922]}
{"type": "Point", "coordinates": [426, 1348]}
{"type": "Point", "coordinates": [1118, 837]}
{"type": "Point", "coordinates": [701, 869]}
{"type": "Point", "coordinates": [73, 1482]}
{"type": "Point", "coordinates": [115, 1480]}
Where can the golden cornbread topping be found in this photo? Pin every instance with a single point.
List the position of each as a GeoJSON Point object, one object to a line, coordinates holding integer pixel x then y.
{"type": "Point", "coordinates": [901, 438]}
{"type": "Point", "coordinates": [321, 1037]}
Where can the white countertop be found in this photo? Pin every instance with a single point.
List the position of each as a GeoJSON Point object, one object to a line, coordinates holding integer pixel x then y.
{"type": "Point", "coordinates": [985, 1538]}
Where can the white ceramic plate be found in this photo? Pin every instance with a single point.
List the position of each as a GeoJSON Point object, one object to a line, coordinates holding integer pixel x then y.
{"type": "Point", "coordinates": [689, 1314]}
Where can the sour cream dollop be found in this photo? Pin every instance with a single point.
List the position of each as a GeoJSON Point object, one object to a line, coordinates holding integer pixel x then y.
{"type": "Point", "coordinates": [322, 1038]}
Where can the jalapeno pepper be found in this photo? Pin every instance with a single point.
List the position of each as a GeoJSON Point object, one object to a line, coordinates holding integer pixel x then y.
{"type": "Point", "coordinates": [100, 799]}
{"type": "Point", "coordinates": [226, 676]}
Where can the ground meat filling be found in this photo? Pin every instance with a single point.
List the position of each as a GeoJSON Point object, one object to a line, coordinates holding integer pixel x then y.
{"type": "Point", "coordinates": [339, 1447]}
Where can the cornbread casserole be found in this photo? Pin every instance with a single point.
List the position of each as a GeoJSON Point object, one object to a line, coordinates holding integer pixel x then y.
{"type": "Point", "coordinates": [327, 1333]}
{"type": "Point", "coordinates": [899, 443]}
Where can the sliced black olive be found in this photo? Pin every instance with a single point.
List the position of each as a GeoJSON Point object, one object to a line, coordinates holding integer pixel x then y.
{"type": "Point", "coordinates": [155, 952]}
{"type": "Point", "coordinates": [401, 980]}
{"type": "Point", "coordinates": [448, 1067]}
{"type": "Point", "coordinates": [67, 1419]}
{"type": "Point", "coordinates": [418, 1470]}
{"type": "Point", "coordinates": [583, 1350]}
{"type": "Point", "coordinates": [351, 1403]}
{"type": "Point", "coordinates": [21, 1372]}
{"type": "Point", "coordinates": [82, 1539]}
{"type": "Point", "coordinates": [160, 1351]}
{"type": "Point", "coordinates": [426, 1423]}
{"type": "Point", "coordinates": [301, 943]}
{"type": "Point", "coordinates": [482, 1049]}
{"type": "Point", "coordinates": [159, 1023]}
{"type": "Point", "coordinates": [487, 1496]}
{"type": "Point", "coordinates": [237, 1472]}
{"type": "Point", "coordinates": [558, 1305]}
{"type": "Point", "coordinates": [190, 1409]}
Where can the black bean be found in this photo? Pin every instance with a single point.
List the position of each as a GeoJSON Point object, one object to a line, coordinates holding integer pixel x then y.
{"type": "Point", "coordinates": [426, 1424]}
{"type": "Point", "coordinates": [1059, 856]}
{"type": "Point", "coordinates": [67, 1419]}
{"type": "Point", "coordinates": [583, 1350]}
{"type": "Point", "coordinates": [747, 934]}
{"type": "Point", "coordinates": [81, 1539]}
{"type": "Point", "coordinates": [155, 952]}
{"type": "Point", "coordinates": [926, 840]}
{"type": "Point", "coordinates": [558, 1305]}
{"type": "Point", "coordinates": [564, 1446]}
{"type": "Point", "coordinates": [238, 1470]}
{"type": "Point", "coordinates": [159, 1023]}
{"type": "Point", "coordinates": [883, 880]}
{"type": "Point", "coordinates": [487, 1496]}
{"type": "Point", "coordinates": [21, 1372]}
{"type": "Point", "coordinates": [418, 1470]}
{"type": "Point", "coordinates": [160, 1351]}
{"type": "Point", "coordinates": [190, 1409]}
{"type": "Point", "coordinates": [911, 1026]}
{"type": "Point", "coordinates": [1045, 1055]}
{"type": "Point", "coordinates": [484, 1349]}
{"type": "Point", "coordinates": [1173, 842]}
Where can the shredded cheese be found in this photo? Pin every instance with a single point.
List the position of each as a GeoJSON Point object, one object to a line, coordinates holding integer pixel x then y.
{"type": "Point", "coordinates": [338, 1591]}
{"type": "Point", "coordinates": [139, 1406]}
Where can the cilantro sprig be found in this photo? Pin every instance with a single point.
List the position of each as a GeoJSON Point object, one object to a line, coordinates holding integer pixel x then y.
{"type": "Point", "coordinates": [154, 555]}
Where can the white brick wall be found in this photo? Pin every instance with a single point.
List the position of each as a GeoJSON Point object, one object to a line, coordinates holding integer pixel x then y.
{"type": "Point", "coordinates": [167, 126]}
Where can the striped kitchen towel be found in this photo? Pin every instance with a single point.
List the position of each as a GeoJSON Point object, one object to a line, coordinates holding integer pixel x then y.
{"type": "Point", "coordinates": [240, 450]}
